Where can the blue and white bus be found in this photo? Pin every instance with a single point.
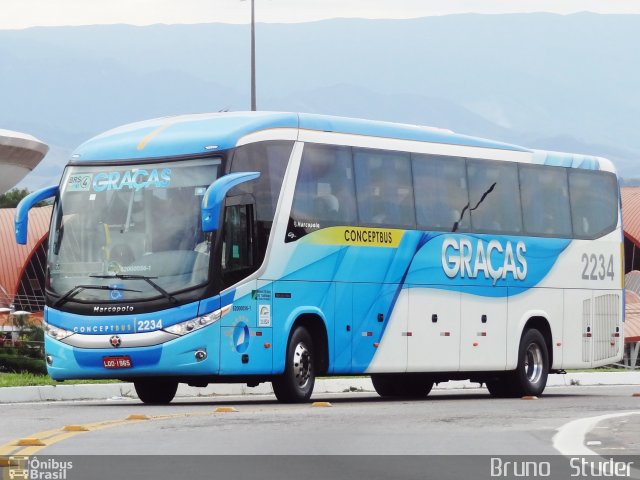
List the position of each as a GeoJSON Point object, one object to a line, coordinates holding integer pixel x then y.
{"type": "Point", "coordinates": [276, 247]}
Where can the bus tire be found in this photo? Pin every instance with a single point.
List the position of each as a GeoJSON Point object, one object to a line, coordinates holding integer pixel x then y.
{"type": "Point", "coordinates": [530, 377]}
{"type": "Point", "coordinates": [399, 385]}
{"type": "Point", "coordinates": [156, 391]}
{"type": "Point", "coordinates": [501, 387]}
{"type": "Point", "coordinates": [296, 384]}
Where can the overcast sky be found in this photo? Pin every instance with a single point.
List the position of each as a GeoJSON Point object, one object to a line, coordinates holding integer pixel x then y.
{"type": "Point", "coordinates": [27, 13]}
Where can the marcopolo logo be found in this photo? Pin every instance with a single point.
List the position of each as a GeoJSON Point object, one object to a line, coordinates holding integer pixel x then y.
{"type": "Point", "coordinates": [114, 308]}
{"type": "Point", "coordinates": [492, 259]}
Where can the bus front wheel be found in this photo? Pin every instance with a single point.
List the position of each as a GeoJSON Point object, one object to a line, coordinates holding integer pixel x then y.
{"type": "Point", "coordinates": [296, 384]}
{"type": "Point", "coordinates": [156, 391]}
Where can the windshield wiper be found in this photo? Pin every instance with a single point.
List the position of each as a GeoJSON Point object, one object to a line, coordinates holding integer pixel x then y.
{"type": "Point", "coordinates": [78, 288]}
{"type": "Point", "coordinates": [120, 276]}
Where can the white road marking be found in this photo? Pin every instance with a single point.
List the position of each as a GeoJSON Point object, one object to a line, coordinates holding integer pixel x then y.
{"type": "Point", "coordinates": [570, 439]}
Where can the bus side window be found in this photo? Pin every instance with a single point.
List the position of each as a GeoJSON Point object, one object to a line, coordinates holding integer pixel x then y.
{"type": "Point", "coordinates": [545, 200]}
{"type": "Point", "coordinates": [594, 202]}
{"type": "Point", "coordinates": [384, 188]}
{"type": "Point", "coordinates": [238, 255]}
{"type": "Point", "coordinates": [440, 187]}
{"type": "Point", "coordinates": [325, 190]}
{"type": "Point", "coordinates": [494, 199]}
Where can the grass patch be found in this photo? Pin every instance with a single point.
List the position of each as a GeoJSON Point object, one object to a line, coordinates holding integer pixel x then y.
{"type": "Point", "coordinates": [31, 380]}
{"type": "Point", "coordinates": [599, 370]}
{"type": "Point", "coordinates": [13, 363]}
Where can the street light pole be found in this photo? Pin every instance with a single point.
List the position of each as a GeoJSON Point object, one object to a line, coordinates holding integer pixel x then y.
{"type": "Point", "coordinates": [253, 57]}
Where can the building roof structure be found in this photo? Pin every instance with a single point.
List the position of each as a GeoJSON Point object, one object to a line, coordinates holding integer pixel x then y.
{"type": "Point", "coordinates": [19, 154]}
{"type": "Point", "coordinates": [631, 213]}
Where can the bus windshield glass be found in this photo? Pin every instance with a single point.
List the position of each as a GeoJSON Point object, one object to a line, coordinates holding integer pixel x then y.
{"type": "Point", "coordinates": [130, 232]}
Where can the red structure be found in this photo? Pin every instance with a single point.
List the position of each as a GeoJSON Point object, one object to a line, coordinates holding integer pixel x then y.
{"type": "Point", "coordinates": [23, 267]}
{"type": "Point", "coordinates": [631, 223]}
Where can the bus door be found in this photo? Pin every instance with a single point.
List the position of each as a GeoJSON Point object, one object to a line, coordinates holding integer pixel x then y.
{"type": "Point", "coordinates": [247, 328]}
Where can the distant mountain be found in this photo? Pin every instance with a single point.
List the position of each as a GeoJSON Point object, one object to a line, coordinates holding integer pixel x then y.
{"type": "Point", "coordinates": [541, 80]}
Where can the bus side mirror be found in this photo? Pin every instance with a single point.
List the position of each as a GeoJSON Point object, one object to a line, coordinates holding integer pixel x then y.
{"type": "Point", "coordinates": [214, 198]}
{"type": "Point", "coordinates": [26, 204]}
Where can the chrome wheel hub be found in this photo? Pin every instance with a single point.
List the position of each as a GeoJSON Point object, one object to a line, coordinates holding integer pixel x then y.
{"type": "Point", "coordinates": [302, 365]}
{"type": "Point", "coordinates": [533, 363]}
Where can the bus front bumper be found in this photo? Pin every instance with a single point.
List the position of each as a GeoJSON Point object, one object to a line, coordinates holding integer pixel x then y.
{"type": "Point", "coordinates": [182, 356]}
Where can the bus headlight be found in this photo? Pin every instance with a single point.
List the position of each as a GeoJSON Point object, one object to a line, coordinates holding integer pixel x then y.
{"type": "Point", "coordinates": [197, 323]}
{"type": "Point", "coordinates": [56, 333]}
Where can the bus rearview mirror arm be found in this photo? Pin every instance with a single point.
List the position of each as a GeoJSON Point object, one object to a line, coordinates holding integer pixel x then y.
{"type": "Point", "coordinates": [214, 198]}
{"type": "Point", "coordinates": [22, 211]}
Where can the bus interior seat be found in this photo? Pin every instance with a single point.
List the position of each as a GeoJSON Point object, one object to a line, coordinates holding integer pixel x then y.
{"type": "Point", "coordinates": [121, 253]}
{"type": "Point", "coordinates": [134, 242]}
{"type": "Point", "coordinates": [327, 208]}
{"type": "Point", "coordinates": [406, 210]}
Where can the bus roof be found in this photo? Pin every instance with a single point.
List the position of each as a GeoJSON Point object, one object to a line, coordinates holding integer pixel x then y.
{"type": "Point", "coordinates": [200, 133]}
{"type": "Point", "coordinates": [195, 134]}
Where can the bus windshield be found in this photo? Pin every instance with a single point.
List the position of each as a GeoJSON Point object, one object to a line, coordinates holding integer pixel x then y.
{"type": "Point", "coordinates": [130, 232]}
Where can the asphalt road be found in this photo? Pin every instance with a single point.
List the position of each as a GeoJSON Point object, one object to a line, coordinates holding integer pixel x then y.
{"type": "Point", "coordinates": [459, 422]}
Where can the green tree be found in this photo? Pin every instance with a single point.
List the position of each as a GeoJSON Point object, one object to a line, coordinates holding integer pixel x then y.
{"type": "Point", "coordinates": [12, 198]}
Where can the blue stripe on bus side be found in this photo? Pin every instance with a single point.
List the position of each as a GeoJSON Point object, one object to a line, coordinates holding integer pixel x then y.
{"type": "Point", "coordinates": [417, 262]}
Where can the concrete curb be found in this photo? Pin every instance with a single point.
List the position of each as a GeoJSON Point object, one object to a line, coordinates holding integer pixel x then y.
{"type": "Point", "coordinates": [119, 391]}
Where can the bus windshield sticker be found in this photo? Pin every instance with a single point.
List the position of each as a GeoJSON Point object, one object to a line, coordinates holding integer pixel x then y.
{"type": "Point", "coordinates": [115, 293]}
{"type": "Point", "coordinates": [137, 179]}
{"type": "Point", "coordinates": [264, 319]}
{"type": "Point", "coordinates": [79, 182]}
{"type": "Point", "coordinates": [261, 294]}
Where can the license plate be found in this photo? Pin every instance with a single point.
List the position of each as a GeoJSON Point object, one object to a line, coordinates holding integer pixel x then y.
{"type": "Point", "coordinates": [117, 362]}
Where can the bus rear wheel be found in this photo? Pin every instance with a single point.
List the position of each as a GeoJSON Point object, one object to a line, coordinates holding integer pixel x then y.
{"type": "Point", "coordinates": [533, 364]}
{"type": "Point", "coordinates": [156, 391]}
{"type": "Point", "coordinates": [296, 384]}
{"type": "Point", "coordinates": [402, 385]}
{"type": "Point", "coordinates": [530, 377]}
{"type": "Point", "coordinates": [501, 387]}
